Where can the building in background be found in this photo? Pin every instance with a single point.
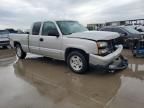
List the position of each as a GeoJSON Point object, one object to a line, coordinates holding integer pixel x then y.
{"type": "Point", "coordinates": [126, 22]}
{"type": "Point", "coordinates": [115, 23]}
{"type": "Point", "coordinates": [95, 26]}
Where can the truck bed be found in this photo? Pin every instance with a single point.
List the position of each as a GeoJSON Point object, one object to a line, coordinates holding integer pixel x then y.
{"type": "Point", "coordinates": [21, 38]}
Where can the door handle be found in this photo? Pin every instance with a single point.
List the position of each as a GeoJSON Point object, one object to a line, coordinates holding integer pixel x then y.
{"type": "Point", "coordinates": [41, 39]}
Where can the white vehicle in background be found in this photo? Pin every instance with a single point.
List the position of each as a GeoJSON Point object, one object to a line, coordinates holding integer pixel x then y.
{"type": "Point", "coordinates": [140, 28]}
{"type": "Point", "coordinates": [4, 39]}
{"type": "Point", "coordinates": [70, 41]}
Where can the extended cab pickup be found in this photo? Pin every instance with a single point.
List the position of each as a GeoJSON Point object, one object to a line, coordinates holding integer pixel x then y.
{"type": "Point", "coordinates": [70, 41]}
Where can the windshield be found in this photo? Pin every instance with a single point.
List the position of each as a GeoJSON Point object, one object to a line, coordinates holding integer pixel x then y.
{"type": "Point", "coordinates": [69, 27]}
{"type": "Point", "coordinates": [131, 30]}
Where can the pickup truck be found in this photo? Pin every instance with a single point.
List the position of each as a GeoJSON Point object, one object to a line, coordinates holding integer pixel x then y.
{"type": "Point", "coordinates": [71, 42]}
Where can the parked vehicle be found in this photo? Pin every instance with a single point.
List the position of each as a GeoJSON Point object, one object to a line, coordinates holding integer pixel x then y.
{"type": "Point", "coordinates": [11, 30]}
{"type": "Point", "coordinates": [126, 34]}
{"type": "Point", "coordinates": [73, 43]}
{"type": "Point", "coordinates": [140, 28]}
{"type": "Point", "coordinates": [138, 48]}
{"type": "Point", "coordinates": [4, 39]}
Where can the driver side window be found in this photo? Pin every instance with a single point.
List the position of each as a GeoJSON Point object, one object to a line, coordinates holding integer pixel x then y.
{"type": "Point", "coordinates": [49, 29]}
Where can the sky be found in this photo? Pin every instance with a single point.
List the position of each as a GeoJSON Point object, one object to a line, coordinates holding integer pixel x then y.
{"type": "Point", "coordinates": [20, 14]}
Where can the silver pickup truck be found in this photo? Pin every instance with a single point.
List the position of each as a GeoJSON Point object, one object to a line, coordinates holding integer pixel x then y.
{"type": "Point", "coordinates": [70, 41]}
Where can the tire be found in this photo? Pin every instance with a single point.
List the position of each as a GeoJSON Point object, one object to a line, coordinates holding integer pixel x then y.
{"type": "Point", "coordinates": [19, 52]}
{"type": "Point", "coordinates": [77, 62]}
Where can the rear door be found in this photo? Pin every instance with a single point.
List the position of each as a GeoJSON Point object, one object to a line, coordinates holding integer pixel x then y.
{"type": "Point", "coordinates": [34, 38]}
{"type": "Point", "coordinates": [51, 40]}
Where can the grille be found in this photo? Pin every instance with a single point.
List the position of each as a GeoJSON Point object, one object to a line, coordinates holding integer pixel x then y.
{"type": "Point", "coordinates": [111, 45]}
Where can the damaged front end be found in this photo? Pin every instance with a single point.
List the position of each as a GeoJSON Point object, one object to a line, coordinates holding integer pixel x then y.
{"type": "Point", "coordinates": [112, 60]}
{"type": "Point", "coordinates": [119, 63]}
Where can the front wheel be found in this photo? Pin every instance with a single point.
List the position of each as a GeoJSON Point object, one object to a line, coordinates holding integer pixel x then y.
{"type": "Point", "coordinates": [77, 62]}
{"type": "Point", "coordinates": [19, 52]}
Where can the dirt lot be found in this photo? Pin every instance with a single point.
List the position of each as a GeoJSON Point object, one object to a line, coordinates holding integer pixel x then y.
{"type": "Point", "coordinates": [39, 82]}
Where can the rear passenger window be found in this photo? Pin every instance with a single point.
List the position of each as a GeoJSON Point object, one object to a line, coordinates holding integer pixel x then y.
{"type": "Point", "coordinates": [36, 28]}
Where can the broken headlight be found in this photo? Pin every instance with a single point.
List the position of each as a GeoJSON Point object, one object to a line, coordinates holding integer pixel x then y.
{"type": "Point", "coordinates": [102, 48]}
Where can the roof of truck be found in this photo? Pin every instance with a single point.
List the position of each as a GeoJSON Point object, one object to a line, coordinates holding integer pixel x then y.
{"type": "Point", "coordinates": [54, 20]}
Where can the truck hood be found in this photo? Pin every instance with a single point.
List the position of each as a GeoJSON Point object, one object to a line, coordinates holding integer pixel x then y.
{"type": "Point", "coordinates": [95, 35]}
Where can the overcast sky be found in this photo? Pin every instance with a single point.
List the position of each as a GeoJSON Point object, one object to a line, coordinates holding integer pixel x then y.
{"type": "Point", "coordinates": [22, 13]}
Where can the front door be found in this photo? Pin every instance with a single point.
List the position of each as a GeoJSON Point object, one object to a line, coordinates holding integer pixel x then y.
{"type": "Point", "coordinates": [50, 41]}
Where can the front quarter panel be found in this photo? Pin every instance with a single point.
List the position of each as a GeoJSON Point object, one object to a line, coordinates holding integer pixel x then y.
{"type": "Point", "coordinates": [88, 46]}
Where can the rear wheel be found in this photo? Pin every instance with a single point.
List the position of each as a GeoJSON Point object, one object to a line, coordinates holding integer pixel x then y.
{"type": "Point", "coordinates": [19, 52]}
{"type": "Point", "coordinates": [77, 62]}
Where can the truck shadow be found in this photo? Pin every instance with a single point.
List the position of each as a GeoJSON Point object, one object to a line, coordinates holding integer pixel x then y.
{"type": "Point", "coordinates": [61, 66]}
{"type": "Point", "coordinates": [49, 76]}
{"type": "Point", "coordinates": [52, 63]}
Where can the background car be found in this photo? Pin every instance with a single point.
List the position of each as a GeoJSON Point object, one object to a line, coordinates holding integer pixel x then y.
{"type": "Point", "coordinates": [140, 28]}
{"type": "Point", "coordinates": [4, 39]}
{"type": "Point", "coordinates": [127, 34]}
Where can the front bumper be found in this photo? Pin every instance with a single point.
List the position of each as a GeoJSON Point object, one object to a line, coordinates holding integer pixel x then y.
{"type": "Point", "coordinates": [113, 61]}
{"type": "Point", "coordinates": [105, 60]}
{"type": "Point", "coordinates": [118, 64]}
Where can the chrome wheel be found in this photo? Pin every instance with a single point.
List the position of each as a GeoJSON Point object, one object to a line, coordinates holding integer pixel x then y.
{"type": "Point", "coordinates": [76, 63]}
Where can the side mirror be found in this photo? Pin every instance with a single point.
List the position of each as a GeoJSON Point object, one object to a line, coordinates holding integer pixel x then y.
{"type": "Point", "coordinates": [53, 32]}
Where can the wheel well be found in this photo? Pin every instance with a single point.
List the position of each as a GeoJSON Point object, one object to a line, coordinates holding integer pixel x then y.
{"type": "Point", "coordinates": [69, 50]}
{"type": "Point", "coordinates": [15, 43]}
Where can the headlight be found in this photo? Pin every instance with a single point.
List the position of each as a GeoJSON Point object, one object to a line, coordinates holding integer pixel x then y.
{"type": "Point", "coordinates": [103, 51]}
{"type": "Point", "coordinates": [102, 44]}
{"type": "Point", "coordinates": [102, 48]}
